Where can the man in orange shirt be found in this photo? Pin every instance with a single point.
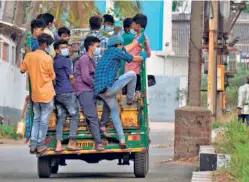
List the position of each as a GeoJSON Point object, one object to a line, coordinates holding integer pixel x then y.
{"type": "Point", "coordinates": [39, 65]}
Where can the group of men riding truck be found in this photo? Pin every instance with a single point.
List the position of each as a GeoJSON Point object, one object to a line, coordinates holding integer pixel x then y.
{"type": "Point", "coordinates": [61, 79]}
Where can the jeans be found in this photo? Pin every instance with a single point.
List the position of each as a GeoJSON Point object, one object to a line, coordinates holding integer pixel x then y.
{"type": "Point", "coordinates": [42, 112]}
{"type": "Point", "coordinates": [243, 118]}
{"type": "Point", "coordinates": [110, 100]}
{"type": "Point", "coordinates": [88, 105]}
{"type": "Point", "coordinates": [67, 103]}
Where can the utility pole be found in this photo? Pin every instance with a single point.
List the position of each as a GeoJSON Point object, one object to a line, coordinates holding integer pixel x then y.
{"type": "Point", "coordinates": [195, 54]}
{"type": "Point", "coordinates": [212, 63]}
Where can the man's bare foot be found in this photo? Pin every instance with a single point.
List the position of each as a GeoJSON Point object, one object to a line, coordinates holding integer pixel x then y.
{"type": "Point", "coordinates": [59, 149]}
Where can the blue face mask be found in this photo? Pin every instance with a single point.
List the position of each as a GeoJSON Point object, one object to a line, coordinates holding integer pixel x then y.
{"type": "Point", "coordinates": [108, 29]}
{"type": "Point", "coordinates": [97, 51]}
{"type": "Point", "coordinates": [65, 52]}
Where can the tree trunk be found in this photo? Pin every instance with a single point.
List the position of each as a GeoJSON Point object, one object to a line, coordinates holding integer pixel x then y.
{"type": "Point", "coordinates": [9, 10]}
{"type": "Point", "coordinates": [195, 54]}
{"type": "Point", "coordinates": [34, 7]}
{"type": "Point", "coordinates": [20, 13]}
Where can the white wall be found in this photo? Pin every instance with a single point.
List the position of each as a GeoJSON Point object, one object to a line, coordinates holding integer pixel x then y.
{"type": "Point", "coordinates": [170, 66]}
{"type": "Point", "coordinates": [13, 83]}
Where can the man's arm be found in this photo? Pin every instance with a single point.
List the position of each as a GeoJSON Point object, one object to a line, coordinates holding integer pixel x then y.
{"type": "Point", "coordinates": [85, 72]}
{"type": "Point", "coordinates": [24, 66]}
{"type": "Point", "coordinates": [147, 47]}
{"type": "Point", "coordinates": [51, 70]}
{"type": "Point", "coordinates": [123, 55]}
{"type": "Point", "coordinates": [69, 71]}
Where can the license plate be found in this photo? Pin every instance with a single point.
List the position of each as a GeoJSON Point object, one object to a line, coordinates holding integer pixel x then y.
{"type": "Point", "coordinates": [88, 143]}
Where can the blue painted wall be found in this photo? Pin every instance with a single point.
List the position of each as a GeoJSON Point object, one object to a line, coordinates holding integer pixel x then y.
{"type": "Point", "coordinates": [154, 11]}
{"type": "Point", "coordinates": [101, 5]}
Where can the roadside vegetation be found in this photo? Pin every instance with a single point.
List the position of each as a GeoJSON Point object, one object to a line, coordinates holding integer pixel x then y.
{"type": "Point", "coordinates": [8, 131]}
{"type": "Point", "coordinates": [235, 142]}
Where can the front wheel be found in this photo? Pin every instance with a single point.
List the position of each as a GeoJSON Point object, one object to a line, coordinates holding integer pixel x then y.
{"type": "Point", "coordinates": [54, 169]}
{"type": "Point", "coordinates": [141, 164]}
{"type": "Point", "coordinates": [44, 167]}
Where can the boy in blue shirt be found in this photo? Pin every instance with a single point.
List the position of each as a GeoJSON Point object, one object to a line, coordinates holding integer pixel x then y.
{"type": "Point", "coordinates": [65, 99]}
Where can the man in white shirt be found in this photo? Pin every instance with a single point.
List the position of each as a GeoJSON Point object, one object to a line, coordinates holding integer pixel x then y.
{"type": "Point", "coordinates": [243, 102]}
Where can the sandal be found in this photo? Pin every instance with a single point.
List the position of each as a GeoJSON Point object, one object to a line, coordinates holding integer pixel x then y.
{"type": "Point", "coordinates": [32, 151]}
{"type": "Point", "coordinates": [105, 133]}
{"type": "Point", "coordinates": [59, 150]}
{"type": "Point", "coordinates": [99, 147]}
{"type": "Point", "coordinates": [122, 144]}
{"type": "Point", "coordinates": [129, 101]}
{"type": "Point", "coordinates": [44, 149]}
{"type": "Point", "coordinates": [73, 148]}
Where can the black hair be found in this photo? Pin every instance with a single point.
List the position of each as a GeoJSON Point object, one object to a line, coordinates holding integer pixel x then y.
{"type": "Point", "coordinates": [39, 16]}
{"type": "Point", "coordinates": [127, 22]}
{"type": "Point", "coordinates": [90, 40]}
{"type": "Point", "coordinates": [37, 24]}
{"type": "Point", "coordinates": [95, 22]}
{"type": "Point", "coordinates": [108, 18]}
{"type": "Point", "coordinates": [63, 30]}
{"type": "Point", "coordinates": [45, 39]}
{"type": "Point", "coordinates": [58, 43]}
{"type": "Point", "coordinates": [47, 18]}
{"type": "Point", "coordinates": [140, 19]}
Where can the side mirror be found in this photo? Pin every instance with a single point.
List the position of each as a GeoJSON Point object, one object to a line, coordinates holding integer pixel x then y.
{"type": "Point", "coordinates": [151, 80]}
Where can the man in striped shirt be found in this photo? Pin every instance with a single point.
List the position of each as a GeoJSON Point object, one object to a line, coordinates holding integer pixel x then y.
{"type": "Point", "coordinates": [95, 25]}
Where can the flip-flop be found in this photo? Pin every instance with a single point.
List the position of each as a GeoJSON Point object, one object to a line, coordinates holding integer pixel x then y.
{"type": "Point", "coordinates": [44, 150]}
{"type": "Point", "coordinates": [59, 150]}
{"type": "Point", "coordinates": [32, 151]}
{"type": "Point", "coordinates": [73, 149]}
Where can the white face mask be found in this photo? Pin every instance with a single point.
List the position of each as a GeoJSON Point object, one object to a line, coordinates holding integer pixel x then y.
{"type": "Point", "coordinates": [65, 52]}
{"type": "Point", "coordinates": [133, 31]}
{"type": "Point", "coordinates": [97, 51]}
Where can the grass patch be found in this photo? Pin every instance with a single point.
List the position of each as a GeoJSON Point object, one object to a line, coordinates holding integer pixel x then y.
{"type": "Point", "coordinates": [8, 131]}
{"type": "Point", "coordinates": [236, 143]}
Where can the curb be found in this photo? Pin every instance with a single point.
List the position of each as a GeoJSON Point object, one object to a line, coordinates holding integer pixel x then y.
{"type": "Point", "coordinates": [202, 176]}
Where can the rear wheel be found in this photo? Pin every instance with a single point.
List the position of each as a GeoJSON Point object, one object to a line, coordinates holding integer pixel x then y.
{"type": "Point", "coordinates": [54, 169]}
{"type": "Point", "coordinates": [44, 167]}
{"type": "Point", "coordinates": [141, 164]}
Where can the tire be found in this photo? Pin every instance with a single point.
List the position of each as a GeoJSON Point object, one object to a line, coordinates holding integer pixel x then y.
{"type": "Point", "coordinates": [44, 167]}
{"type": "Point", "coordinates": [54, 169]}
{"type": "Point", "coordinates": [141, 164]}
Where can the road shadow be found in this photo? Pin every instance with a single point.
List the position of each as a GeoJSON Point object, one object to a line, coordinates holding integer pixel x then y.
{"type": "Point", "coordinates": [124, 175]}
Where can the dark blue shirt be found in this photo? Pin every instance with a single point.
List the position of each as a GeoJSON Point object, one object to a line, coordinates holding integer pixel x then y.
{"type": "Point", "coordinates": [34, 44]}
{"type": "Point", "coordinates": [62, 69]}
{"type": "Point", "coordinates": [107, 68]}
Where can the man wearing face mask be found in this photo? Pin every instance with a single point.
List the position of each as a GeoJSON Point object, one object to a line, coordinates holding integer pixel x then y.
{"type": "Point", "coordinates": [84, 75]}
{"type": "Point", "coordinates": [108, 27]}
{"type": "Point", "coordinates": [65, 99]}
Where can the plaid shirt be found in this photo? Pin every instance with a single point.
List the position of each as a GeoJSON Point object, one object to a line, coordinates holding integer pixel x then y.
{"type": "Point", "coordinates": [103, 44]}
{"type": "Point", "coordinates": [107, 68]}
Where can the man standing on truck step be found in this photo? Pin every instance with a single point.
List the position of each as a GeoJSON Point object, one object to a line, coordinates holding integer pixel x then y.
{"type": "Point", "coordinates": [39, 65]}
{"type": "Point", "coordinates": [105, 84]}
{"type": "Point", "coordinates": [65, 99]}
{"type": "Point", "coordinates": [84, 74]}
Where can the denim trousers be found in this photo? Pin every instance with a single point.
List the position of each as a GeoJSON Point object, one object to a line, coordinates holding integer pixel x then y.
{"type": "Point", "coordinates": [67, 103]}
{"type": "Point", "coordinates": [42, 112]}
{"type": "Point", "coordinates": [111, 103]}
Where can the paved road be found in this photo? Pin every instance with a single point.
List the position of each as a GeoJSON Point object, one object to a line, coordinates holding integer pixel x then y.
{"type": "Point", "coordinates": [16, 165]}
